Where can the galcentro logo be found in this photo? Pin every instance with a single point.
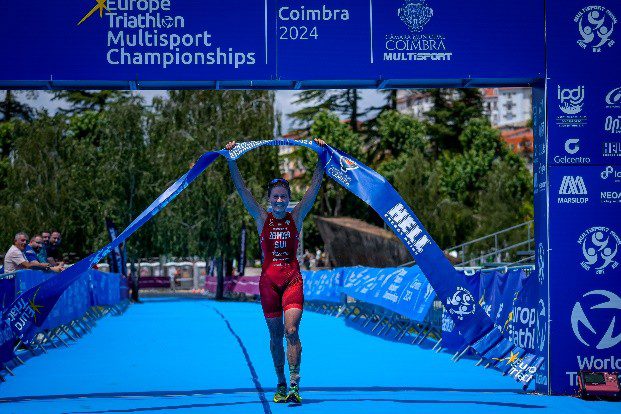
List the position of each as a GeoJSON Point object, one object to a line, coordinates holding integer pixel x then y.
{"type": "Point", "coordinates": [571, 100]}
{"type": "Point", "coordinates": [572, 185]}
{"type": "Point", "coordinates": [599, 247]}
{"type": "Point", "coordinates": [461, 304]}
{"type": "Point", "coordinates": [613, 98]}
{"type": "Point", "coordinates": [540, 264]}
{"type": "Point", "coordinates": [596, 25]}
{"type": "Point", "coordinates": [415, 15]}
{"type": "Point", "coordinates": [613, 125]}
{"type": "Point", "coordinates": [579, 318]}
{"type": "Point", "coordinates": [572, 145]}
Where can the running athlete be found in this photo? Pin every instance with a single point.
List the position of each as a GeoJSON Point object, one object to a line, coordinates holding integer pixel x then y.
{"type": "Point", "coordinates": [280, 285]}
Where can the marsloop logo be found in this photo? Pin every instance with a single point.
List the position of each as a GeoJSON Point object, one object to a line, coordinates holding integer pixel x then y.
{"type": "Point", "coordinates": [572, 186]}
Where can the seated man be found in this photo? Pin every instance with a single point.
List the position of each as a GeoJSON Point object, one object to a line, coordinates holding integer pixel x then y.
{"type": "Point", "coordinates": [54, 254]}
{"type": "Point", "coordinates": [33, 248]}
{"type": "Point", "coordinates": [16, 260]}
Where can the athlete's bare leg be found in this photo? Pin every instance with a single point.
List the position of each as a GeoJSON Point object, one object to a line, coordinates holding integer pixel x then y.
{"type": "Point", "coordinates": [294, 346]}
{"type": "Point", "coordinates": [277, 332]}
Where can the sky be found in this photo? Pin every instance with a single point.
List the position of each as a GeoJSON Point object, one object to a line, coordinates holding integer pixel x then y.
{"type": "Point", "coordinates": [284, 102]}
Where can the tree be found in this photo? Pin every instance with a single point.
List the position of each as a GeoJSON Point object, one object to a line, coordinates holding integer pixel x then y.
{"type": "Point", "coordinates": [83, 100]}
{"type": "Point", "coordinates": [206, 219]}
{"type": "Point", "coordinates": [451, 112]}
{"type": "Point", "coordinates": [11, 108]}
{"type": "Point", "coordinates": [341, 101]}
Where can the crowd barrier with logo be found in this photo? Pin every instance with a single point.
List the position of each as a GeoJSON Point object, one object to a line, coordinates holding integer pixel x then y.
{"type": "Point", "coordinates": [89, 297]}
{"type": "Point", "coordinates": [510, 298]}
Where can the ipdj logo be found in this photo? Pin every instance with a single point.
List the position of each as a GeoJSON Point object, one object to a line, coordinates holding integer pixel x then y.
{"type": "Point", "coordinates": [541, 263]}
{"type": "Point", "coordinates": [415, 15]}
{"type": "Point", "coordinates": [596, 25]}
{"type": "Point", "coordinates": [613, 125]}
{"type": "Point", "coordinates": [579, 318]}
{"type": "Point", "coordinates": [573, 186]}
{"type": "Point", "coordinates": [461, 304]}
{"type": "Point", "coordinates": [599, 247]}
{"type": "Point", "coordinates": [613, 98]}
{"type": "Point", "coordinates": [571, 100]}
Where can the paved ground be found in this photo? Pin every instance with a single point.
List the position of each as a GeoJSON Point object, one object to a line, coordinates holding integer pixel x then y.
{"type": "Point", "coordinates": [185, 355]}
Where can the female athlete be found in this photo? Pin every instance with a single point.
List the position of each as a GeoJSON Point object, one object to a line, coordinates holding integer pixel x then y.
{"type": "Point", "coordinates": [280, 285]}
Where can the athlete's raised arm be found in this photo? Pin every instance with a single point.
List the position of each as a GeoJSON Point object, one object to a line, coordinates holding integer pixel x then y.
{"type": "Point", "coordinates": [254, 208]}
{"type": "Point", "coordinates": [304, 206]}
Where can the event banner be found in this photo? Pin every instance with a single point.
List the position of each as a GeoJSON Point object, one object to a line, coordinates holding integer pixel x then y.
{"type": "Point", "coordinates": [403, 290]}
{"type": "Point", "coordinates": [268, 43]}
{"type": "Point", "coordinates": [323, 285]}
{"type": "Point", "coordinates": [584, 189]}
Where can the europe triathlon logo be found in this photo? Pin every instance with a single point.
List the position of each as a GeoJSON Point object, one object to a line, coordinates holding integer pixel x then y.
{"type": "Point", "coordinates": [417, 46]}
{"type": "Point", "coordinates": [596, 25]}
{"type": "Point", "coordinates": [148, 32]}
{"type": "Point", "coordinates": [100, 6]}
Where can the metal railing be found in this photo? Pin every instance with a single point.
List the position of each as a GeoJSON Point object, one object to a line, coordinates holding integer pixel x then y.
{"type": "Point", "coordinates": [495, 250]}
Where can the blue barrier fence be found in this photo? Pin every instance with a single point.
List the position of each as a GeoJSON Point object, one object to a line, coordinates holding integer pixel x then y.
{"type": "Point", "coordinates": [91, 289]}
{"type": "Point", "coordinates": [404, 298]}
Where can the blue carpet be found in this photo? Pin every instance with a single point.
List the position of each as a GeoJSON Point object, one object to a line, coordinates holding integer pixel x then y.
{"type": "Point", "coordinates": [198, 356]}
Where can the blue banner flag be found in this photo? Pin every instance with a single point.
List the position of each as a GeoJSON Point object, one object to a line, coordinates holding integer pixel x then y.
{"type": "Point", "coordinates": [31, 308]}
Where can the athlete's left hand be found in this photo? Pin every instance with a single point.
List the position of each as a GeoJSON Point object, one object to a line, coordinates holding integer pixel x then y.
{"type": "Point", "coordinates": [320, 142]}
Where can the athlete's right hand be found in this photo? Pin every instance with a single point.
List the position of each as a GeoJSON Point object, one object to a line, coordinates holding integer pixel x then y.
{"type": "Point", "coordinates": [230, 145]}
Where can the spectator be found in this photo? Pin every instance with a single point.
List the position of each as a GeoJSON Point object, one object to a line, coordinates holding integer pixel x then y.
{"type": "Point", "coordinates": [54, 254]}
{"type": "Point", "coordinates": [42, 254]}
{"type": "Point", "coordinates": [14, 259]}
{"type": "Point", "coordinates": [32, 249]}
{"type": "Point", "coordinates": [306, 259]}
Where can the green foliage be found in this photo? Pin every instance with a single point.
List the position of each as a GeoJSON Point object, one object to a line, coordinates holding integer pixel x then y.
{"type": "Point", "coordinates": [69, 171]}
{"type": "Point", "coordinates": [452, 111]}
{"type": "Point", "coordinates": [341, 101]}
{"type": "Point", "coordinates": [82, 100]}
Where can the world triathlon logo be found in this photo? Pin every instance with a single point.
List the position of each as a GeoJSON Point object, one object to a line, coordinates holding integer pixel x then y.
{"type": "Point", "coordinates": [415, 15]}
{"type": "Point", "coordinates": [596, 25]}
{"type": "Point", "coordinates": [580, 318]}
{"type": "Point", "coordinates": [599, 248]}
{"type": "Point", "coordinates": [461, 304]}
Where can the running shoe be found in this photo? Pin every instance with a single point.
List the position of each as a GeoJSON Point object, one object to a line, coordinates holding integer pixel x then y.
{"type": "Point", "coordinates": [281, 393]}
{"type": "Point", "coordinates": [294, 394]}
